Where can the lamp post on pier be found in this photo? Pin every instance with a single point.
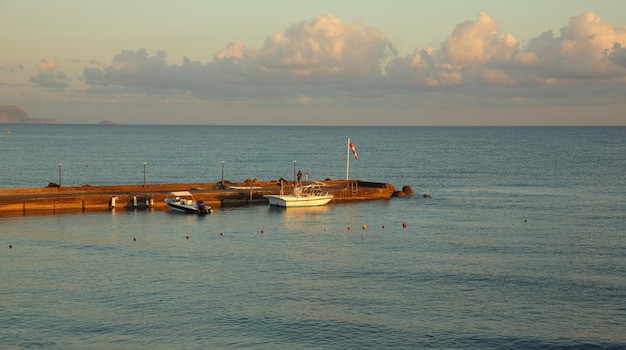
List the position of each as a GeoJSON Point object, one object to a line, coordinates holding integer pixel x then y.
{"type": "Point", "coordinates": [144, 173]}
{"type": "Point", "coordinates": [60, 174]}
{"type": "Point", "coordinates": [294, 171]}
{"type": "Point", "coordinates": [223, 186]}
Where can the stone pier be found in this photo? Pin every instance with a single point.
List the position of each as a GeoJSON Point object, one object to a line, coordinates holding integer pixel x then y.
{"type": "Point", "coordinates": [92, 198]}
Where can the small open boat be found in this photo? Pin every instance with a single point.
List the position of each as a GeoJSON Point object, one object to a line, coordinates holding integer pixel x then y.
{"type": "Point", "coordinates": [182, 201]}
{"type": "Point", "coordinates": [310, 195]}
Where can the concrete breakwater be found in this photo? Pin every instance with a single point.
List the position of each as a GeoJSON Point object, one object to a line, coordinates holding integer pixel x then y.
{"type": "Point", "coordinates": [33, 200]}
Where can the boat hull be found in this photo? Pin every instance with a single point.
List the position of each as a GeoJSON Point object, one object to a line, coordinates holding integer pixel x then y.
{"type": "Point", "coordinates": [186, 208]}
{"type": "Point", "coordinates": [293, 202]}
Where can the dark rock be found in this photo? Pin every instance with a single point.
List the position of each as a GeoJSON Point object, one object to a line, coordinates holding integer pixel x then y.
{"type": "Point", "coordinates": [408, 190]}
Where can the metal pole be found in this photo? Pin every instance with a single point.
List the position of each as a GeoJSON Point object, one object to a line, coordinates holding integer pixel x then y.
{"type": "Point", "coordinates": [144, 174]}
{"type": "Point", "coordinates": [348, 159]}
{"type": "Point", "coordinates": [294, 171]}
{"type": "Point", "coordinates": [222, 174]}
{"type": "Point", "coordinates": [60, 174]}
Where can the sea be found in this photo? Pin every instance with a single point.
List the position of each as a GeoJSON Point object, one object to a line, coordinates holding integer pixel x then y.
{"type": "Point", "coordinates": [522, 244]}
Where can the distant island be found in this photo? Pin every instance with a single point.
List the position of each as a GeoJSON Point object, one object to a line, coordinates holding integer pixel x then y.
{"type": "Point", "coordinates": [16, 115]}
{"type": "Point", "coordinates": [107, 122]}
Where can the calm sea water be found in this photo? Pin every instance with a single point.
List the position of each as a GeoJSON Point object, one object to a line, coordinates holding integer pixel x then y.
{"type": "Point", "coordinates": [522, 246]}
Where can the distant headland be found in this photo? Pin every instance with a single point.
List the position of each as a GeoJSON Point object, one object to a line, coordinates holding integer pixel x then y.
{"type": "Point", "coordinates": [16, 115]}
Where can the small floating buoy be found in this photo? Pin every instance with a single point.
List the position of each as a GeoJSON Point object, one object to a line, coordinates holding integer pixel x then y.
{"type": "Point", "coordinates": [525, 220]}
{"type": "Point", "coordinates": [404, 224]}
{"type": "Point", "coordinates": [134, 239]}
{"type": "Point", "coordinates": [348, 228]}
{"type": "Point", "coordinates": [221, 234]}
{"type": "Point", "coordinates": [383, 226]}
{"type": "Point", "coordinates": [262, 232]}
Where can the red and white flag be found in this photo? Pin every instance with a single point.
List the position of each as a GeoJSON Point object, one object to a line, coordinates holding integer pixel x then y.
{"type": "Point", "coordinates": [354, 151]}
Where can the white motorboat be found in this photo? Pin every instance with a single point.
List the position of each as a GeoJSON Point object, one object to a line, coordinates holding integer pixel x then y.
{"type": "Point", "coordinates": [310, 195]}
{"type": "Point", "coordinates": [182, 201]}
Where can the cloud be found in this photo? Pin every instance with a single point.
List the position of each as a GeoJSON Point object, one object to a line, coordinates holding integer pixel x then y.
{"type": "Point", "coordinates": [322, 50]}
{"type": "Point", "coordinates": [618, 55]}
{"type": "Point", "coordinates": [326, 47]}
{"type": "Point", "coordinates": [234, 51]}
{"type": "Point", "coordinates": [11, 67]}
{"type": "Point", "coordinates": [478, 42]}
{"type": "Point", "coordinates": [581, 52]}
{"type": "Point", "coordinates": [140, 72]}
{"type": "Point", "coordinates": [47, 77]}
{"type": "Point", "coordinates": [51, 81]}
{"type": "Point", "coordinates": [326, 59]}
{"type": "Point", "coordinates": [304, 99]}
{"type": "Point", "coordinates": [46, 65]}
{"type": "Point", "coordinates": [477, 52]}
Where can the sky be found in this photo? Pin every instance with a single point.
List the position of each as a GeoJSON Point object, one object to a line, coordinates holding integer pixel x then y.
{"type": "Point", "coordinates": [279, 62]}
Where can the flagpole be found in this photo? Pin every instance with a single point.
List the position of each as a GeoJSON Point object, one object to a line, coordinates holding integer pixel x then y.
{"type": "Point", "coordinates": [348, 159]}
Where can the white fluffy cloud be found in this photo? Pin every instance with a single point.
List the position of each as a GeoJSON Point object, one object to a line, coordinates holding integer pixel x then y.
{"type": "Point", "coordinates": [478, 52]}
{"type": "Point", "coordinates": [478, 42]}
{"type": "Point", "coordinates": [325, 47]}
{"type": "Point", "coordinates": [325, 58]}
{"type": "Point", "coordinates": [323, 50]}
{"type": "Point", "coordinates": [582, 51]}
